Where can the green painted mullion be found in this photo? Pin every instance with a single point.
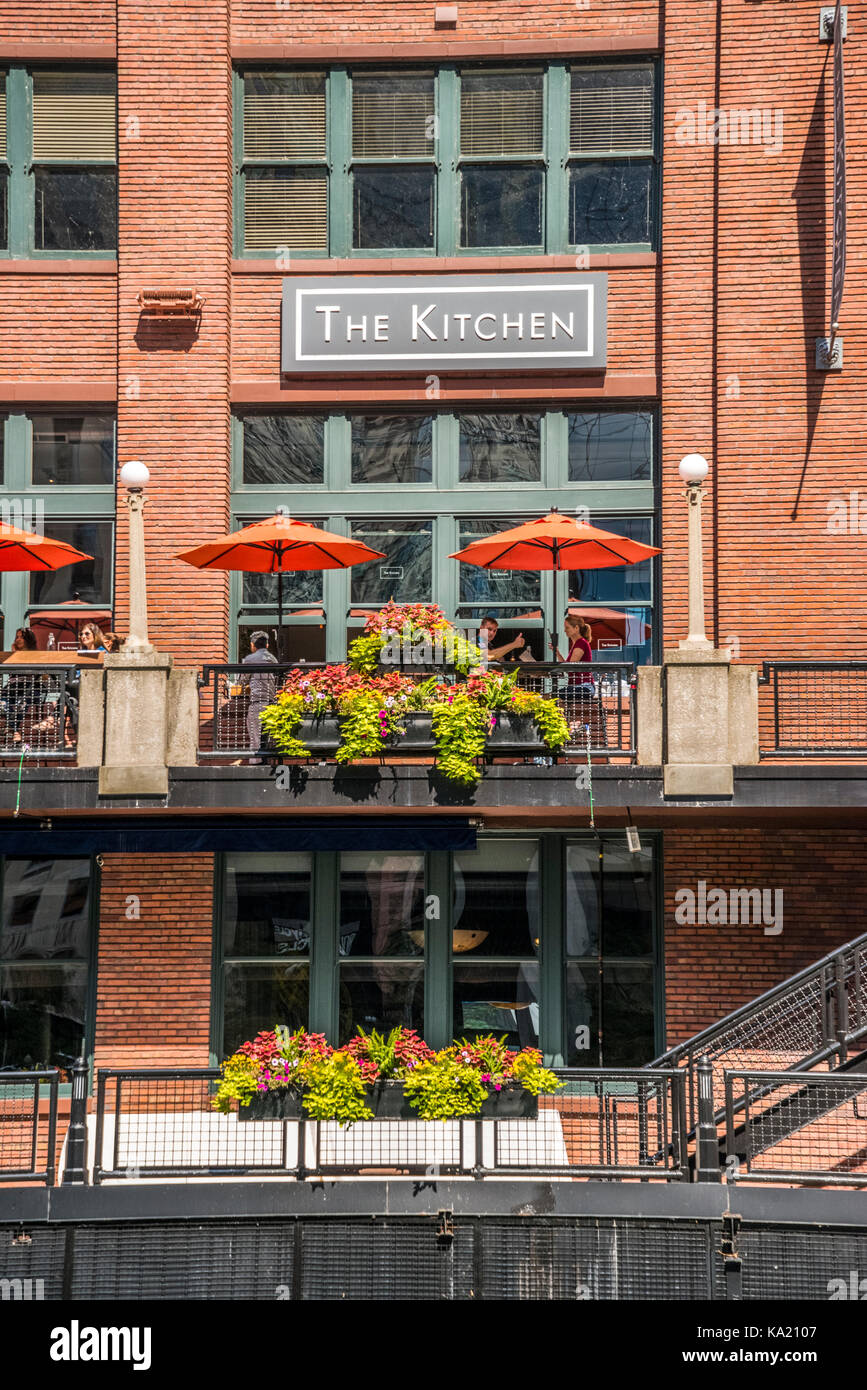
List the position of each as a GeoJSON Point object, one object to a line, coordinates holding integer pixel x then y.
{"type": "Point", "coordinates": [448, 201]}
{"type": "Point", "coordinates": [557, 103]}
{"type": "Point", "coordinates": [324, 958]}
{"type": "Point", "coordinates": [19, 154]}
{"type": "Point", "coordinates": [444, 570]}
{"type": "Point", "coordinates": [339, 119]}
{"type": "Point", "coordinates": [238, 162]}
{"type": "Point", "coordinates": [439, 896]}
{"type": "Point", "coordinates": [336, 594]}
{"type": "Point", "coordinates": [552, 898]}
{"type": "Point", "coordinates": [16, 586]}
{"type": "Point", "coordinates": [218, 965]}
{"type": "Point", "coordinates": [338, 453]}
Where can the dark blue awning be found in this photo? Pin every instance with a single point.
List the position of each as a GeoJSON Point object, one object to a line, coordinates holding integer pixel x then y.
{"type": "Point", "coordinates": [111, 834]}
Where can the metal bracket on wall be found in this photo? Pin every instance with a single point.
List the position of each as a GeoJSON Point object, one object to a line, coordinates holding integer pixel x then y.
{"type": "Point", "coordinates": [732, 1263]}
{"type": "Point", "coordinates": [829, 361]}
{"type": "Point", "coordinates": [826, 22]}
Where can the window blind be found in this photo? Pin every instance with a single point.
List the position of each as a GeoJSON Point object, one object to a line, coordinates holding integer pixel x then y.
{"type": "Point", "coordinates": [284, 118]}
{"type": "Point", "coordinates": [390, 120]}
{"type": "Point", "coordinates": [287, 211]}
{"type": "Point", "coordinates": [74, 116]}
{"type": "Point", "coordinates": [501, 117]}
{"type": "Point", "coordinates": [612, 113]}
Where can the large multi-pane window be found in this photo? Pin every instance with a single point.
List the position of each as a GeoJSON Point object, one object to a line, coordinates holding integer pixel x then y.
{"type": "Point", "coordinates": [419, 485]}
{"type": "Point", "coordinates": [58, 162]}
{"type": "Point", "coordinates": [338, 941]}
{"type": "Point", "coordinates": [536, 158]}
{"type": "Point", "coordinates": [46, 949]}
{"type": "Point", "coordinates": [57, 478]}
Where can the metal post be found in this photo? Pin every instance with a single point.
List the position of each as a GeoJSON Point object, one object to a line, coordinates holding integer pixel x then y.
{"type": "Point", "coordinates": [842, 1011]}
{"type": "Point", "coordinates": [75, 1169]}
{"type": "Point", "coordinates": [707, 1167]}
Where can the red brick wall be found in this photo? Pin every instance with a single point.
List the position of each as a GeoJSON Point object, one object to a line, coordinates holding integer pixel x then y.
{"type": "Point", "coordinates": [786, 588]}
{"type": "Point", "coordinates": [383, 21]}
{"type": "Point", "coordinates": [712, 969]}
{"type": "Point", "coordinates": [27, 22]}
{"type": "Point", "coordinates": [154, 974]}
{"type": "Point", "coordinates": [57, 328]}
{"type": "Point", "coordinates": [174, 117]}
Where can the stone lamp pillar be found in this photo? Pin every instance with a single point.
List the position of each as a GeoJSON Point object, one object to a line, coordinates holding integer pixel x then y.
{"type": "Point", "coordinates": [710, 707]}
{"type": "Point", "coordinates": [150, 712]}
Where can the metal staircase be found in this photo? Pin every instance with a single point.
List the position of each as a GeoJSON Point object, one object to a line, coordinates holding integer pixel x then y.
{"type": "Point", "coordinates": [813, 1023]}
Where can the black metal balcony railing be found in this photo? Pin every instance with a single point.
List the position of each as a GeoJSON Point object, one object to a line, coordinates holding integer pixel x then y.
{"type": "Point", "coordinates": [796, 1128]}
{"type": "Point", "coordinates": [815, 1018]}
{"type": "Point", "coordinates": [38, 711]}
{"type": "Point", "coordinates": [28, 1126]}
{"type": "Point", "coordinates": [604, 1123]}
{"type": "Point", "coordinates": [818, 709]}
{"type": "Point", "coordinates": [597, 700]}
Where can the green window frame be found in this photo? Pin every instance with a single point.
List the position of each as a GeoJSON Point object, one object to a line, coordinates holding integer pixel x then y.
{"type": "Point", "coordinates": [84, 961]}
{"type": "Point", "coordinates": [27, 165]}
{"type": "Point", "coordinates": [442, 914]}
{"type": "Point", "coordinates": [449, 504]}
{"type": "Point", "coordinates": [33, 507]}
{"type": "Point", "coordinates": [461, 150]}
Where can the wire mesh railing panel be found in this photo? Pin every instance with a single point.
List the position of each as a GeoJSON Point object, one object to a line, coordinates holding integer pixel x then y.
{"type": "Point", "coordinates": [819, 707]}
{"type": "Point", "coordinates": [612, 1122]}
{"type": "Point", "coordinates": [38, 711]}
{"type": "Point", "coordinates": [797, 1128]}
{"type": "Point", "coordinates": [596, 700]}
{"type": "Point", "coordinates": [28, 1126]}
{"type": "Point", "coordinates": [164, 1124]}
{"type": "Point", "coordinates": [416, 1146]}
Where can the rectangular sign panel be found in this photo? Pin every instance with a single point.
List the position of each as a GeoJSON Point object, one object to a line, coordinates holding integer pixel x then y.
{"type": "Point", "coordinates": [477, 323]}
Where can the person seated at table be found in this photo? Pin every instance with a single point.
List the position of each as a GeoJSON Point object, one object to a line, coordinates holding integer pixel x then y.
{"type": "Point", "coordinates": [91, 639]}
{"type": "Point", "coordinates": [488, 629]}
{"type": "Point", "coordinates": [22, 692]}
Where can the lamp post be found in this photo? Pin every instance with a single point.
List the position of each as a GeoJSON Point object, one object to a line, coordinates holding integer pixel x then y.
{"type": "Point", "coordinates": [693, 469]}
{"type": "Point", "coordinates": [135, 476]}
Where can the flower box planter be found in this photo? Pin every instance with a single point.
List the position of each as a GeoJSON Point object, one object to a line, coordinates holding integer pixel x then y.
{"type": "Point", "coordinates": [510, 1103]}
{"type": "Point", "coordinates": [516, 733]}
{"type": "Point", "coordinates": [273, 1105]}
{"type": "Point", "coordinates": [387, 1100]}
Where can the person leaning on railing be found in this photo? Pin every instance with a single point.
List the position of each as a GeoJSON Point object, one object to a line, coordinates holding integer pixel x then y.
{"type": "Point", "coordinates": [583, 710]}
{"type": "Point", "coordinates": [262, 686]}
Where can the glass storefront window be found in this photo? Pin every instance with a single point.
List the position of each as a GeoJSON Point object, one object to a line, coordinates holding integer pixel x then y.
{"type": "Point", "coordinates": [610, 446]}
{"type": "Point", "coordinates": [45, 945]}
{"type": "Point", "coordinates": [405, 573]}
{"type": "Point", "coordinates": [283, 449]}
{"type": "Point", "coordinates": [76, 209]}
{"type": "Point", "coordinates": [609, 949]}
{"type": "Point", "coordinates": [500, 448]}
{"type": "Point", "coordinates": [266, 905]}
{"type": "Point", "coordinates": [498, 999]}
{"type": "Point", "coordinates": [88, 580]}
{"type": "Point", "coordinates": [72, 450]}
{"type": "Point", "coordinates": [267, 913]}
{"type": "Point", "coordinates": [496, 911]}
{"type": "Point", "coordinates": [255, 997]}
{"type": "Point", "coordinates": [381, 918]}
{"type": "Point", "coordinates": [495, 588]}
{"type": "Point", "coordinates": [392, 449]}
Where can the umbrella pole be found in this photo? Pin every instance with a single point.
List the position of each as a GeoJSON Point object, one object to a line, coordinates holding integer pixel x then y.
{"type": "Point", "coordinates": [279, 615]}
{"type": "Point", "coordinates": [555, 641]}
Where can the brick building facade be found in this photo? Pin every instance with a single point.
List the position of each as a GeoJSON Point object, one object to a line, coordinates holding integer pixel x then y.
{"type": "Point", "coordinates": [712, 317]}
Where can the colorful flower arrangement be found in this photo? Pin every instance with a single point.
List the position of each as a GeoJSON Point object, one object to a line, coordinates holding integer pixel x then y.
{"type": "Point", "coordinates": [372, 707]}
{"type": "Point", "coordinates": [334, 1082]}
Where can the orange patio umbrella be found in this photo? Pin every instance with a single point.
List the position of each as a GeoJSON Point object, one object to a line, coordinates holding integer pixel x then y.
{"type": "Point", "coordinates": [554, 542]}
{"type": "Point", "coordinates": [280, 546]}
{"type": "Point", "coordinates": [25, 550]}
